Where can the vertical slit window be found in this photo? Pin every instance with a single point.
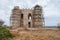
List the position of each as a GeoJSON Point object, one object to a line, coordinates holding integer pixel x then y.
{"type": "Point", "coordinates": [21, 20]}
{"type": "Point", "coordinates": [21, 16]}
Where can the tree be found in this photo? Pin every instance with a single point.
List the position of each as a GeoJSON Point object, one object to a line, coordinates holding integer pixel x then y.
{"type": "Point", "coordinates": [58, 26]}
{"type": "Point", "coordinates": [1, 22]}
{"type": "Point", "coordinates": [5, 34]}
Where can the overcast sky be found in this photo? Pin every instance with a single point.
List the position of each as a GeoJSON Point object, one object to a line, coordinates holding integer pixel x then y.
{"type": "Point", "coordinates": [51, 9]}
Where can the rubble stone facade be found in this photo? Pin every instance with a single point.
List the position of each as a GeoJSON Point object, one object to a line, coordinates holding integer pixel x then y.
{"type": "Point", "coordinates": [29, 18]}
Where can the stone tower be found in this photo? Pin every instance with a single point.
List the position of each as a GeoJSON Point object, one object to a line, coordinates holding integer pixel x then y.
{"type": "Point", "coordinates": [15, 17]}
{"type": "Point", "coordinates": [29, 18]}
{"type": "Point", "coordinates": [37, 16]}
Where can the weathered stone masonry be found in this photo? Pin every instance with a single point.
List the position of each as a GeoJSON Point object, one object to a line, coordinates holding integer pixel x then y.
{"type": "Point", "coordinates": [29, 18]}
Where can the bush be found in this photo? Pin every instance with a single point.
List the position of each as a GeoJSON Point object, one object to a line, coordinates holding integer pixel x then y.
{"type": "Point", "coordinates": [5, 34]}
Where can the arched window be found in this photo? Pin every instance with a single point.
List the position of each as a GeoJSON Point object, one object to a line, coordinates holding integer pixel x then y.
{"type": "Point", "coordinates": [29, 17]}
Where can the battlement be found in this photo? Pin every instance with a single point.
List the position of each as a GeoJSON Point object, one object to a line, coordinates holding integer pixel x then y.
{"type": "Point", "coordinates": [17, 7]}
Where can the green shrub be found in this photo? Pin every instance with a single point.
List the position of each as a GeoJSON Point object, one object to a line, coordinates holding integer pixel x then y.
{"type": "Point", "coordinates": [5, 34]}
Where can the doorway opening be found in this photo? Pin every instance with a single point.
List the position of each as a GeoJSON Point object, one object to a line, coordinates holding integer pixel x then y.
{"type": "Point", "coordinates": [29, 24]}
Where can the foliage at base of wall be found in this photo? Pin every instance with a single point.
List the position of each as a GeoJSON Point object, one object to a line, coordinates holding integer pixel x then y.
{"type": "Point", "coordinates": [5, 33]}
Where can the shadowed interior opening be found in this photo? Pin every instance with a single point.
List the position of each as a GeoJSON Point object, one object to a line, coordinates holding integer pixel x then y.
{"type": "Point", "coordinates": [21, 16]}
{"type": "Point", "coordinates": [29, 24]}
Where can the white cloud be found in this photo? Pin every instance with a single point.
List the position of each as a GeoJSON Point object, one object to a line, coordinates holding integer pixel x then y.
{"type": "Point", "coordinates": [52, 10]}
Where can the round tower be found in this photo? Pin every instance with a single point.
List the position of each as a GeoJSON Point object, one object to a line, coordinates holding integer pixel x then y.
{"type": "Point", "coordinates": [15, 17]}
{"type": "Point", "coordinates": [37, 17]}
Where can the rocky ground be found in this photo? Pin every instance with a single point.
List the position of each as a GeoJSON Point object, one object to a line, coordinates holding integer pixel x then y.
{"type": "Point", "coordinates": [44, 34]}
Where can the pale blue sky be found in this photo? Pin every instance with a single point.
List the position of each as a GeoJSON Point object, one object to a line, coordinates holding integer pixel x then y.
{"type": "Point", "coordinates": [51, 9]}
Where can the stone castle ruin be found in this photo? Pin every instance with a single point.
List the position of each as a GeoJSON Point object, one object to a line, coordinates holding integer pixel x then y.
{"type": "Point", "coordinates": [27, 18]}
{"type": "Point", "coordinates": [27, 25]}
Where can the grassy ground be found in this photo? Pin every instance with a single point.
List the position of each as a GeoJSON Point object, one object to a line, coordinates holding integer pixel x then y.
{"type": "Point", "coordinates": [45, 34]}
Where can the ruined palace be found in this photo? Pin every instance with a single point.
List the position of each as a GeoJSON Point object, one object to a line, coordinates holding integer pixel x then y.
{"type": "Point", "coordinates": [27, 18]}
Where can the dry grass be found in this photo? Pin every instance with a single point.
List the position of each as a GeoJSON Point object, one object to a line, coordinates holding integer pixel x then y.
{"type": "Point", "coordinates": [38, 35]}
